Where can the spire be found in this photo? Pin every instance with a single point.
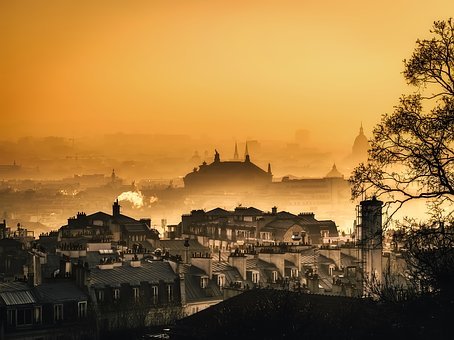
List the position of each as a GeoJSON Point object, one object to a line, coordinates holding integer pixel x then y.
{"type": "Point", "coordinates": [246, 154]}
{"type": "Point", "coordinates": [361, 131]}
{"type": "Point", "coordinates": [269, 169]}
{"type": "Point", "coordinates": [235, 155]}
{"type": "Point", "coordinates": [216, 156]}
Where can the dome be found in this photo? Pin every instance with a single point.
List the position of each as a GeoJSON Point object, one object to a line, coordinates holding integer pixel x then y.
{"type": "Point", "coordinates": [361, 144]}
{"type": "Point", "coordinates": [334, 173]}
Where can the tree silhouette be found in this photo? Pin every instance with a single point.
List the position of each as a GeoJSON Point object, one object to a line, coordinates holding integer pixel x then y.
{"type": "Point", "coordinates": [411, 155]}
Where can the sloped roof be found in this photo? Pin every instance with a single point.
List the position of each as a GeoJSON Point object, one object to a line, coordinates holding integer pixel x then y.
{"type": "Point", "coordinates": [193, 289]}
{"type": "Point", "coordinates": [15, 293]}
{"type": "Point", "coordinates": [59, 291]}
{"type": "Point", "coordinates": [178, 246]}
{"type": "Point", "coordinates": [285, 214]}
{"type": "Point", "coordinates": [135, 227]}
{"type": "Point", "coordinates": [218, 212]}
{"type": "Point", "coordinates": [152, 272]}
{"type": "Point", "coordinates": [231, 273]}
{"type": "Point", "coordinates": [247, 211]}
{"type": "Point", "coordinates": [100, 216]}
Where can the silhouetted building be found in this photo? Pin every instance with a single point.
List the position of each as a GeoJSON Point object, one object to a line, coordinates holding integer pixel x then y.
{"type": "Point", "coordinates": [101, 226]}
{"type": "Point", "coordinates": [228, 175]}
{"type": "Point", "coordinates": [360, 147]}
{"type": "Point", "coordinates": [132, 294]}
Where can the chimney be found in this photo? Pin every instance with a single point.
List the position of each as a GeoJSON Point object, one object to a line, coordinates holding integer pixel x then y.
{"type": "Point", "coordinates": [274, 210]}
{"type": "Point", "coordinates": [238, 260]}
{"type": "Point", "coordinates": [204, 262]}
{"type": "Point", "coordinates": [116, 209]}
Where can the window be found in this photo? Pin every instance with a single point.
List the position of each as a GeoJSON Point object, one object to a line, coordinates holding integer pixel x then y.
{"type": "Point", "coordinates": [136, 294]}
{"type": "Point", "coordinates": [100, 295]}
{"type": "Point", "coordinates": [116, 294]}
{"type": "Point", "coordinates": [294, 273]}
{"type": "Point", "coordinates": [10, 316]}
{"type": "Point", "coordinates": [154, 294]}
{"type": "Point", "coordinates": [82, 309]}
{"type": "Point", "coordinates": [58, 312]}
{"type": "Point", "coordinates": [24, 317]}
{"type": "Point", "coordinates": [255, 277]}
{"type": "Point", "coordinates": [274, 276]}
{"type": "Point", "coordinates": [37, 316]}
{"type": "Point", "coordinates": [221, 280]}
{"type": "Point", "coordinates": [204, 281]}
{"type": "Point", "coordinates": [169, 293]}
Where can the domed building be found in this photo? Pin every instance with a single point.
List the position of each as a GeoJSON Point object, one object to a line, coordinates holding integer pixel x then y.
{"type": "Point", "coordinates": [360, 147]}
{"type": "Point", "coordinates": [334, 173]}
{"type": "Point", "coordinates": [228, 175]}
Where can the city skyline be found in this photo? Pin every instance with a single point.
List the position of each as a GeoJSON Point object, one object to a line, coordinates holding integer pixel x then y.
{"type": "Point", "coordinates": [219, 70]}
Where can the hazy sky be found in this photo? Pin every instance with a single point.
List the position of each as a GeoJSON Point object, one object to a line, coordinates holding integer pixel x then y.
{"type": "Point", "coordinates": [240, 69]}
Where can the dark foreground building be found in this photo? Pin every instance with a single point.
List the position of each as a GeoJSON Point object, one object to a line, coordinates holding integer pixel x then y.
{"type": "Point", "coordinates": [280, 314]}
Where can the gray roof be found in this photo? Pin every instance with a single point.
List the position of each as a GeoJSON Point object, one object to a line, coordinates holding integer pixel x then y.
{"type": "Point", "coordinates": [231, 273]}
{"type": "Point", "coordinates": [152, 272]}
{"type": "Point", "coordinates": [218, 212]}
{"type": "Point", "coordinates": [135, 227]}
{"type": "Point", "coordinates": [59, 291]}
{"type": "Point", "coordinates": [178, 246]}
{"type": "Point", "coordinates": [193, 289]}
{"type": "Point", "coordinates": [17, 298]}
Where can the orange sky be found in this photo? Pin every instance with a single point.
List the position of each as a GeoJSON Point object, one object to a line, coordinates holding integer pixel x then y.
{"type": "Point", "coordinates": [234, 69]}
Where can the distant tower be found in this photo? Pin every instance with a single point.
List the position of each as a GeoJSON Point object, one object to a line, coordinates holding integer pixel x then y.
{"type": "Point", "coordinates": [246, 154]}
{"type": "Point", "coordinates": [269, 169]}
{"type": "Point", "coordinates": [113, 177]}
{"type": "Point", "coordinates": [236, 157]}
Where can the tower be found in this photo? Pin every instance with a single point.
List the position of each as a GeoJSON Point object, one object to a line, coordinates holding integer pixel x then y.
{"type": "Point", "coordinates": [236, 157]}
{"type": "Point", "coordinates": [217, 158]}
{"type": "Point", "coordinates": [246, 154]}
{"type": "Point", "coordinates": [369, 238]}
{"type": "Point", "coordinates": [116, 209]}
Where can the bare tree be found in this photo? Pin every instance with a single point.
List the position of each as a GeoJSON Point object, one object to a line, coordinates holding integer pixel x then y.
{"type": "Point", "coordinates": [429, 254]}
{"type": "Point", "coordinates": [411, 155]}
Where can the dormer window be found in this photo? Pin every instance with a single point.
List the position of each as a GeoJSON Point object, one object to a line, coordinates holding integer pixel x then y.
{"type": "Point", "coordinates": [255, 277]}
{"type": "Point", "coordinates": [296, 236]}
{"type": "Point", "coordinates": [221, 280]}
{"type": "Point", "coordinates": [324, 233]}
{"type": "Point", "coordinates": [136, 294]}
{"type": "Point", "coordinates": [274, 276]}
{"type": "Point", "coordinates": [100, 295]}
{"type": "Point", "coordinates": [116, 294]}
{"type": "Point", "coordinates": [204, 281]}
